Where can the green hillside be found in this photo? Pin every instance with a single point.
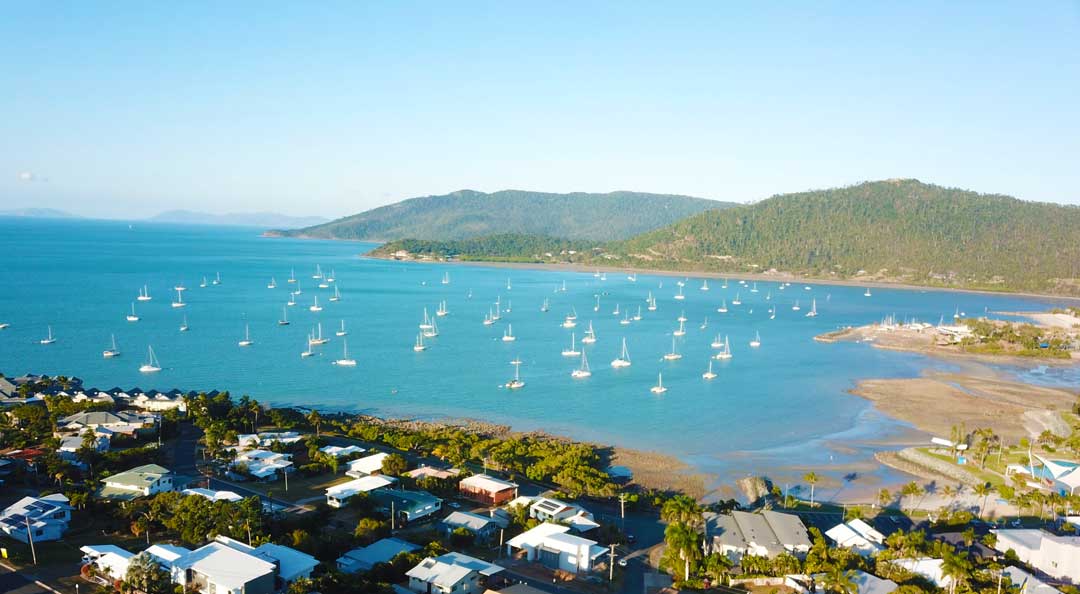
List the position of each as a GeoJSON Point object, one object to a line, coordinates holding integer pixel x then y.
{"type": "Point", "coordinates": [466, 214]}
{"type": "Point", "coordinates": [491, 248]}
{"type": "Point", "coordinates": [899, 230]}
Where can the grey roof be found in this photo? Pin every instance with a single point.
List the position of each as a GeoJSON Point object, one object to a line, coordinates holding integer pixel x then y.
{"type": "Point", "coordinates": [380, 551]}
{"type": "Point", "coordinates": [788, 528]}
{"type": "Point", "coordinates": [774, 531]}
{"type": "Point", "coordinates": [474, 522]}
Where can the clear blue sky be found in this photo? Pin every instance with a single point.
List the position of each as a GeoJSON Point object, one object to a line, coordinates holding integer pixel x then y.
{"type": "Point", "coordinates": [129, 108]}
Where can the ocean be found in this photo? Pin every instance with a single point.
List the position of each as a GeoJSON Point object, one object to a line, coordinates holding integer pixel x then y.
{"type": "Point", "coordinates": [782, 406]}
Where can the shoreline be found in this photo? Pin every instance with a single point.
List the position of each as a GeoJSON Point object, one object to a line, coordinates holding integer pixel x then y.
{"type": "Point", "coordinates": [749, 276]}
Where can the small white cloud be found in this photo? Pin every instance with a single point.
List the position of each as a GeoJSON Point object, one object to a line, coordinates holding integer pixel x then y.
{"type": "Point", "coordinates": [30, 177]}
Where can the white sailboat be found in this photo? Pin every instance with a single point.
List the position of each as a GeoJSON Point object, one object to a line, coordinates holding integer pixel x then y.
{"type": "Point", "coordinates": [48, 339]}
{"type": "Point", "coordinates": [736, 300]}
{"type": "Point", "coordinates": [682, 316]}
{"type": "Point", "coordinates": [626, 319]}
{"type": "Point", "coordinates": [336, 296]}
{"type": "Point", "coordinates": [705, 324]}
{"type": "Point", "coordinates": [659, 387]}
{"type": "Point", "coordinates": [180, 287]}
{"type": "Point", "coordinates": [442, 311]}
{"type": "Point", "coordinates": [516, 383]}
{"type": "Point", "coordinates": [768, 296]}
{"type": "Point", "coordinates": [111, 351]}
{"type": "Point", "coordinates": [342, 331]}
{"type": "Point", "coordinates": [179, 301]}
{"type": "Point", "coordinates": [725, 351]}
{"type": "Point", "coordinates": [796, 306]}
{"type": "Point", "coordinates": [152, 364]}
{"type": "Point", "coordinates": [308, 352]}
{"type": "Point", "coordinates": [292, 300]}
{"type": "Point", "coordinates": [488, 320]}
{"type": "Point", "coordinates": [597, 306]}
{"type": "Point", "coordinates": [446, 278]}
{"type": "Point", "coordinates": [709, 372]}
{"type": "Point", "coordinates": [315, 307]}
{"type": "Point", "coordinates": [632, 277]}
{"type": "Point", "coordinates": [144, 294]}
{"type": "Point", "coordinates": [298, 291]}
{"type": "Point", "coordinates": [508, 335]}
{"type": "Point", "coordinates": [813, 309]}
{"type": "Point", "coordinates": [867, 293]}
{"type": "Point", "coordinates": [590, 336]}
{"type": "Point", "coordinates": [583, 370]}
{"type": "Point", "coordinates": [573, 314]}
{"type": "Point", "coordinates": [544, 307]}
{"type": "Point", "coordinates": [679, 296]}
{"type": "Point", "coordinates": [723, 306]}
{"type": "Point", "coordinates": [754, 288]}
{"type": "Point", "coordinates": [284, 321]}
{"type": "Point", "coordinates": [757, 340]}
{"type": "Point", "coordinates": [426, 324]}
{"type": "Point", "coordinates": [246, 342]}
{"type": "Point", "coordinates": [508, 287]}
{"type": "Point", "coordinates": [623, 360]}
{"type": "Point", "coordinates": [203, 283]}
{"type": "Point", "coordinates": [772, 313]}
{"type": "Point", "coordinates": [217, 278]}
{"type": "Point", "coordinates": [705, 285]}
{"type": "Point", "coordinates": [433, 331]}
{"type": "Point", "coordinates": [318, 273]}
{"type": "Point", "coordinates": [724, 285]}
{"type": "Point", "coordinates": [572, 351]}
{"type": "Point", "coordinates": [184, 325]}
{"type": "Point", "coordinates": [562, 289]}
{"type": "Point", "coordinates": [324, 284]}
{"type": "Point", "coordinates": [674, 354]}
{"type": "Point", "coordinates": [652, 304]}
{"type": "Point", "coordinates": [131, 317]}
{"type": "Point", "coordinates": [292, 276]}
{"type": "Point", "coordinates": [681, 330]}
{"type": "Point", "coordinates": [345, 361]}
{"type": "Point", "coordinates": [332, 276]}
{"type": "Point", "coordinates": [569, 322]}
{"type": "Point", "coordinates": [509, 306]}
{"type": "Point", "coordinates": [273, 283]}
{"type": "Point", "coordinates": [637, 316]}
{"type": "Point", "coordinates": [419, 346]}
{"type": "Point", "coordinates": [716, 343]}
{"type": "Point", "coordinates": [497, 314]}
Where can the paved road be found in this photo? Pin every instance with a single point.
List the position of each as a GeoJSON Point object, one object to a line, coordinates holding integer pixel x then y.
{"type": "Point", "coordinates": [16, 583]}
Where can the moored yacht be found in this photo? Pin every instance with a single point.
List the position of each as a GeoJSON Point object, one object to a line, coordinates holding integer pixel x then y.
{"type": "Point", "coordinates": [623, 360]}
{"type": "Point", "coordinates": [111, 351]}
{"type": "Point", "coordinates": [246, 342]}
{"type": "Point", "coordinates": [345, 361]}
{"type": "Point", "coordinates": [152, 364]}
{"type": "Point", "coordinates": [659, 387]}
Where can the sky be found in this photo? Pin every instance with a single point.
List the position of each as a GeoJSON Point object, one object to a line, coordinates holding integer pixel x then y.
{"type": "Point", "coordinates": [127, 109]}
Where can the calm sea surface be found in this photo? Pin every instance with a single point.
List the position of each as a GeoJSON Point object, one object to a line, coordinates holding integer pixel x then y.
{"type": "Point", "coordinates": [783, 405]}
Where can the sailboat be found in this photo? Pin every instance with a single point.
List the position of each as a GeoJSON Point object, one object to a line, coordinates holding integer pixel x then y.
{"type": "Point", "coordinates": [682, 316]}
{"type": "Point", "coordinates": [419, 346]}
{"type": "Point", "coordinates": [292, 300]}
{"type": "Point", "coordinates": [724, 286]}
{"type": "Point", "coordinates": [318, 273]}
{"type": "Point", "coordinates": [716, 343]}
{"type": "Point", "coordinates": [298, 291]}
{"type": "Point", "coordinates": [723, 306]}
{"type": "Point", "coordinates": [292, 276]}
{"type": "Point", "coordinates": [772, 313]}
{"type": "Point", "coordinates": [131, 317]}
{"type": "Point", "coordinates": [508, 287]}
{"type": "Point", "coordinates": [590, 336]}
{"type": "Point", "coordinates": [336, 296]}
{"type": "Point", "coordinates": [179, 300]}
{"type": "Point", "coordinates": [757, 340]}
{"type": "Point", "coordinates": [637, 316]}
{"type": "Point", "coordinates": [247, 338]}
{"type": "Point", "coordinates": [674, 354]}
{"type": "Point", "coordinates": [284, 321]}
{"type": "Point", "coordinates": [768, 296]}
{"type": "Point", "coordinates": [623, 360]}
{"type": "Point", "coordinates": [342, 331]}
{"type": "Point", "coordinates": [509, 306]}
{"type": "Point", "coordinates": [705, 285]}
{"type": "Point", "coordinates": [202, 285]}
{"type": "Point", "coordinates": [508, 335]}
{"type": "Point", "coordinates": [442, 311]}
{"type": "Point", "coordinates": [497, 314]}
{"type": "Point", "coordinates": [273, 283]}
{"type": "Point", "coordinates": [705, 324]}
{"type": "Point", "coordinates": [659, 387]}
{"type": "Point", "coordinates": [582, 371]}
{"type": "Point", "coordinates": [562, 289]}
{"type": "Point", "coordinates": [632, 277]}
{"type": "Point", "coordinates": [572, 351]}
{"type": "Point", "coordinates": [754, 288]}
{"type": "Point", "coordinates": [217, 278]}
{"type": "Point", "coordinates": [433, 331]}
{"type": "Point", "coordinates": [446, 278]}
{"type": "Point", "coordinates": [516, 383]}
{"type": "Point", "coordinates": [112, 351]}
{"type": "Point", "coordinates": [152, 364]}
{"type": "Point", "coordinates": [573, 314]}
{"type": "Point", "coordinates": [144, 294]}
{"type": "Point", "coordinates": [324, 284]}
{"type": "Point", "coordinates": [426, 324]}
{"type": "Point", "coordinates": [184, 325]}
{"type": "Point", "coordinates": [679, 296]}
{"type": "Point", "coordinates": [681, 330]}
{"type": "Point", "coordinates": [736, 300]}
{"type": "Point", "coordinates": [569, 322]}
{"type": "Point", "coordinates": [488, 320]}
{"type": "Point", "coordinates": [725, 352]}
{"type": "Point", "coordinates": [316, 307]}
{"type": "Point", "coordinates": [603, 276]}
{"type": "Point", "coordinates": [615, 312]}
{"type": "Point", "coordinates": [626, 319]}
{"type": "Point", "coordinates": [796, 306]}
{"type": "Point", "coordinates": [597, 306]}
{"type": "Point", "coordinates": [867, 293]}
{"type": "Point", "coordinates": [709, 372]}
{"type": "Point", "coordinates": [652, 303]}
{"type": "Point", "coordinates": [545, 306]}
{"type": "Point", "coordinates": [813, 309]}
{"type": "Point", "coordinates": [308, 352]}
{"type": "Point", "coordinates": [345, 361]}
{"type": "Point", "coordinates": [48, 339]}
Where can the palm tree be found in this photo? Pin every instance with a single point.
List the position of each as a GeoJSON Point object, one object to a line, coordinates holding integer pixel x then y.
{"type": "Point", "coordinates": [811, 478]}
{"type": "Point", "coordinates": [983, 490]}
{"type": "Point", "coordinates": [840, 581]}
{"type": "Point", "coordinates": [910, 490]}
{"type": "Point", "coordinates": [717, 566]}
{"type": "Point", "coordinates": [315, 419]}
{"type": "Point", "coordinates": [681, 509]}
{"type": "Point", "coordinates": [957, 567]}
{"type": "Point", "coordinates": [884, 497]}
{"type": "Point", "coordinates": [682, 543]}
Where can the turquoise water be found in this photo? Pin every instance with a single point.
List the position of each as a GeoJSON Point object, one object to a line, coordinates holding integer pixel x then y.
{"type": "Point", "coordinates": [783, 404]}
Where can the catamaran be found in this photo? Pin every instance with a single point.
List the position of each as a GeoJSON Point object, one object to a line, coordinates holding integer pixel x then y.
{"type": "Point", "coordinates": [316, 307]}
{"type": "Point", "coordinates": [757, 340]}
{"type": "Point", "coordinates": [336, 296]}
{"type": "Point", "coordinates": [709, 372]}
{"type": "Point", "coordinates": [284, 321]}
{"type": "Point", "coordinates": [681, 330]}
{"type": "Point", "coordinates": [508, 335]}
{"type": "Point", "coordinates": [111, 351]}
{"type": "Point", "coordinates": [623, 360]}
{"type": "Point", "coordinates": [179, 300]}
{"type": "Point", "coordinates": [48, 339]}
{"type": "Point", "coordinates": [590, 336]}
{"type": "Point", "coordinates": [345, 361]}
{"type": "Point", "coordinates": [659, 387]}
{"type": "Point", "coordinates": [725, 352]}
{"type": "Point", "coordinates": [131, 317]}
{"type": "Point", "coordinates": [516, 382]}
{"type": "Point", "coordinates": [342, 331]}
{"type": "Point", "coordinates": [813, 309]}
{"type": "Point", "coordinates": [152, 364]}
{"type": "Point", "coordinates": [246, 342]}
{"type": "Point", "coordinates": [144, 294]}
{"type": "Point", "coordinates": [184, 325]}
{"type": "Point", "coordinates": [583, 370]}
{"type": "Point", "coordinates": [674, 354]}
{"type": "Point", "coordinates": [572, 351]}
{"type": "Point", "coordinates": [716, 343]}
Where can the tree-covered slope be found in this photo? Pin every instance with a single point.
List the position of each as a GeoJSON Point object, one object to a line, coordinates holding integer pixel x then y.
{"type": "Point", "coordinates": [901, 230]}
{"type": "Point", "coordinates": [467, 214]}
{"type": "Point", "coordinates": [490, 248]}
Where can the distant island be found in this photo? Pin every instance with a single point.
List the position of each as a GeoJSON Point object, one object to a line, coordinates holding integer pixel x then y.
{"type": "Point", "coordinates": [38, 213]}
{"type": "Point", "coordinates": [468, 214]}
{"type": "Point", "coordinates": [266, 220]}
{"type": "Point", "coordinates": [893, 231]}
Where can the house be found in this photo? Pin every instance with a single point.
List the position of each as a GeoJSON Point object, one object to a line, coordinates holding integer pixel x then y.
{"type": "Point", "coordinates": [553, 546]}
{"type": "Point", "coordinates": [487, 489]}
{"type": "Point", "coordinates": [767, 534]}
{"type": "Point", "coordinates": [547, 509]}
{"type": "Point", "coordinates": [858, 536]}
{"type": "Point", "coordinates": [141, 481]}
{"type": "Point", "coordinates": [266, 439]}
{"type": "Point", "coordinates": [109, 560]}
{"type": "Point", "coordinates": [407, 506]}
{"type": "Point", "coordinates": [263, 464]}
{"type": "Point", "coordinates": [483, 527]}
{"type": "Point", "coordinates": [7, 388]}
{"type": "Point", "coordinates": [70, 446]}
{"type": "Point", "coordinates": [367, 465]}
{"type": "Point", "coordinates": [337, 495]}
{"type": "Point", "coordinates": [432, 472]}
{"type": "Point", "coordinates": [160, 401]}
{"type": "Point", "coordinates": [341, 452]}
{"type": "Point", "coordinates": [927, 567]}
{"type": "Point", "coordinates": [1027, 583]}
{"type": "Point", "coordinates": [42, 518]}
{"type": "Point", "coordinates": [380, 551]}
{"type": "Point", "coordinates": [865, 583]}
{"type": "Point", "coordinates": [26, 458]}
{"type": "Point", "coordinates": [103, 422]}
{"type": "Point", "coordinates": [1056, 556]}
{"type": "Point", "coordinates": [213, 495]}
{"type": "Point", "coordinates": [452, 572]}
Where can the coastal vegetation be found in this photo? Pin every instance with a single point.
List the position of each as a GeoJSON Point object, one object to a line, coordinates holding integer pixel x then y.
{"type": "Point", "coordinates": [491, 248]}
{"type": "Point", "coordinates": [1022, 340]}
{"type": "Point", "coordinates": [467, 213]}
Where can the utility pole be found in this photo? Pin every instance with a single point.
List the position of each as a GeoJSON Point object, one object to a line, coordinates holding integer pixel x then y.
{"type": "Point", "coordinates": [393, 517]}
{"type": "Point", "coordinates": [501, 532]}
{"type": "Point", "coordinates": [286, 473]}
{"type": "Point", "coordinates": [611, 565]}
{"type": "Point", "coordinates": [30, 539]}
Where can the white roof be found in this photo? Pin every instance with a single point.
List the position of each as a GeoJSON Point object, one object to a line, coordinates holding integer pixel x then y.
{"type": "Point", "coordinates": [338, 451]}
{"type": "Point", "coordinates": [866, 583]}
{"type": "Point", "coordinates": [487, 483]}
{"type": "Point", "coordinates": [360, 485]}
{"type": "Point", "coordinates": [226, 566]}
{"type": "Point", "coordinates": [468, 520]}
{"type": "Point", "coordinates": [1028, 583]}
{"type": "Point", "coordinates": [537, 536]}
{"type": "Point", "coordinates": [368, 464]}
{"type": "Point", "coordinates": [927, 567]}
{"type": "Point", "coordinates": [581, 522]}
{"type": "Point", "coordinates": [291, 562]}
{"type": "Point", "coordinates": [444, 575]}
{"type": "Point", "coordinates": [166, 553]}
{"type": "Point", "coordinates": [486, 569]}
{"type": "Point", "coordinates": [213, 495]}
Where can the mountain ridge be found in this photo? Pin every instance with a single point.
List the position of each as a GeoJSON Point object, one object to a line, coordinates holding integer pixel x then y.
{"type": "Point", "coordinates": [242, 219]}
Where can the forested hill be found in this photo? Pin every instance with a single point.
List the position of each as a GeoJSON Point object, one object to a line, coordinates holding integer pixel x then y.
{"type": "Point", "coordinates": [901, 230]}
{"type": "Point", "coordinates": [468, 214]}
